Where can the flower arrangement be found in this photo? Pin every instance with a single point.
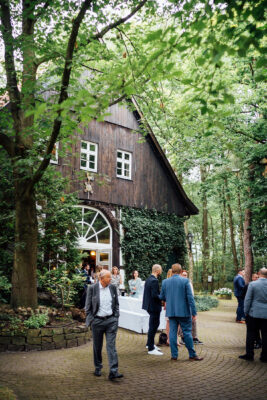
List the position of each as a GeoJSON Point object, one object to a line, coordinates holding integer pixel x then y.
{"type": "Point", "coordinates": [223, 291]}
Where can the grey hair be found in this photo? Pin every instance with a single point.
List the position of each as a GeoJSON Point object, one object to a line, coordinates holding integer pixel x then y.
{"type": "Point", "coordinates": [103, 272]}
{"type": "Point", "coordinates": [156, 267]}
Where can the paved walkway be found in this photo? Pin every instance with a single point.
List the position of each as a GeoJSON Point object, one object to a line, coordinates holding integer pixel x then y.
{"type": "Point", "coordinates": [67, 374]}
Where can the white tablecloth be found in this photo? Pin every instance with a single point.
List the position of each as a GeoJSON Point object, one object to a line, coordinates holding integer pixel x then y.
{"type": "Point", "coordinates": [133, 317]}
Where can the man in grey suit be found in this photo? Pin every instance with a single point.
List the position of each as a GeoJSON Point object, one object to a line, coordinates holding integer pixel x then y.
{"type": "Point", "coordinates": [102, 314]}
{"type": "Point", "coordinates": [180, 309]}
{"type": "Point", "coordinates": [255, 308]}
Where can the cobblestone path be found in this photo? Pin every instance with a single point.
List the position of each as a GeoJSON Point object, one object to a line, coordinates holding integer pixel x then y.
{"type": "Point", "coordinates": [67, 374]}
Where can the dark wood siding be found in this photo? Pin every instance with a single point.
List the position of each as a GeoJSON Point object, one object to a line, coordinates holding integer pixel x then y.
{"type": "Point", "coordinates": [151, 185]}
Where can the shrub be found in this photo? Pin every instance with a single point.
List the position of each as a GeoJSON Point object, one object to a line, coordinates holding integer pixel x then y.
{"type": "Point", "coordinates": [205, 303]}
{"type": "Point", "coordinates": [36, 320]}
{"type": "Point", "coordinates": [5, 289]}
{"type": "Point", "coordinates": [223, 291]}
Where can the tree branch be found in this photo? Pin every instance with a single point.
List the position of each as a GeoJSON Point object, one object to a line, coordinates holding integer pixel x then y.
{"type": "Point", "coordinates": [249, 136]}
{"type": "Point", "coordinates": [120, 21]}
{"type": "Point", "coordinates": [12, 83]}
{"type": "Point", "coordinates": [63, 92]}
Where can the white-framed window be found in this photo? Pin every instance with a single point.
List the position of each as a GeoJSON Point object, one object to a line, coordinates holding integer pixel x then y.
{"type": "Point", "coordinates": [124, 164]}
{"type": "Point", "coordinates": [88, 160]}
{"type": "Point", "coordinates": [54, 156]}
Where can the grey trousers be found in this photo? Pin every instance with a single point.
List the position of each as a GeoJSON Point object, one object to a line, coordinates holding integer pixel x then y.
{"type": "Point", "coordinates": [108, 327]}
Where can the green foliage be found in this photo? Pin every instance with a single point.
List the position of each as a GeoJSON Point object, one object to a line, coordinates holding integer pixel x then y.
{"type": "Point", "coordinates": [57, 244]}
{"type": "Point", "coordinates": [205, 303]}
{"type": "Point", "coordinates": [64, 285]}
{"type": "Point", "coordinates": [14, 323]}
{"type": "Point", "coordinates": [5, 289]}
{"type": "Point", "coordinates": [151, 238]}
{"type": "Point", "coordinates": [36, 320]}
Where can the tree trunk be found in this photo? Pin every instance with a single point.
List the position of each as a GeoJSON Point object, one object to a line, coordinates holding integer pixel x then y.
{"type": "Point", "coordinates": [205, 231]}
{"type": "Point", "coordinates": [241, 249]}
{"type": "Point", "coordinates": [231, 226]}
{"type": "Point", "coordinates": [190, 254]}
{"type": "Point", "coordinates": [247, 245]}
{"type": "Point", "coordinates": [24, 281]}
{"type": "Point", "coordinates": [213, 254]}
{"type": "Point", "coordinates": [223, 229]}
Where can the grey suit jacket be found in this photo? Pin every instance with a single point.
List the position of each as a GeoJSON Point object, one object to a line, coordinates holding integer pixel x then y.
{"type": "Point", "coordinates": [93, 301]}
{"type": "Point", "coordinates": [256, 299]}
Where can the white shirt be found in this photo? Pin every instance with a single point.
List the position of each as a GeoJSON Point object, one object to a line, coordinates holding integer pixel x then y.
{"type": "Point", "coordinates": [105, 306]}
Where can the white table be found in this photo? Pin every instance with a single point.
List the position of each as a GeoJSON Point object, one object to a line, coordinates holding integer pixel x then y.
{"type": "Point", "coordinates": [133, 317]}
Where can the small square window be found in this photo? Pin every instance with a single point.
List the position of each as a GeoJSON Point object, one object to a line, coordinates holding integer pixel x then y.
{"type": "Point", "coordinates": [88, 156]}
{"type": "Point", "coordinates": [124, 164]}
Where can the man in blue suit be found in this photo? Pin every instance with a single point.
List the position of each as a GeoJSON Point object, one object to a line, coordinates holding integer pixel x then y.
{"type": "Point", "coordinates": [152, 304]}
{"type": "Point", "coordinates": [180, 309]}
{"type": "Point", "coordinates": [239, 284]}
{"type": "Point", "coordinates": [256, 316]}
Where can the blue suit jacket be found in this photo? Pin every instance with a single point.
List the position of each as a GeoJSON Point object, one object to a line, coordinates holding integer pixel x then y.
{"type": "Point", "coordinates": [151, 300]}
{"type": "Point", "coordinates": [256, 299]}
{"type": "Point", "coordinates": [239, 284]}
{"type": "Point", "coordinates": [177, 293]}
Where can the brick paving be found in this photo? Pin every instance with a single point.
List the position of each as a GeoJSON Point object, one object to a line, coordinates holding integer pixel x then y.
{"type": "Point", "coordinates": [67, 374]}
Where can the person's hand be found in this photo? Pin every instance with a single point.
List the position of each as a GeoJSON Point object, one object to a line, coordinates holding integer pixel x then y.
{"type": "Point", "coordinates": [194, 317]}
{"type": "Point", "coordinates": [134, 288]}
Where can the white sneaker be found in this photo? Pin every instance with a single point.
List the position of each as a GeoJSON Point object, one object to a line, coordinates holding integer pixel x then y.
{"type": "Point", "coordinates": [155, 352]}
{"type": "Point", "coordinates": [155, 347]}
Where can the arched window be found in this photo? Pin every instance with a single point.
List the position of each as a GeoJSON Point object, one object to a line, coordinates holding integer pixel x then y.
{"type": "Point", "coordinates": [93, 229]}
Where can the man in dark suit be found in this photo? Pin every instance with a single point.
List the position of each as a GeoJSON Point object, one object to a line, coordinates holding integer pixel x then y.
{"type": "Point", "coordinates": [180, 309]}
{"type": "Point", "coordinates": [152, 304]}
{"type": "Point", "coordinates": [102, 314]}
{"type": "Point", "coordinates": [239, 283]}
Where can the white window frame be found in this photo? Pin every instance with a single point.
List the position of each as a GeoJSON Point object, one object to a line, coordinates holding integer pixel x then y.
{"type": "Point", "coordinates": [54, 160]}
{"type": "Point", "coordinates": [88, 153]}
{"type": "Point", "coordinates": [124, 162]}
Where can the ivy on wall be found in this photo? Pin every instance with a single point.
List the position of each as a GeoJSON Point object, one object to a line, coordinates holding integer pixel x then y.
{"type": "Point", "coordinates": [151, 238]}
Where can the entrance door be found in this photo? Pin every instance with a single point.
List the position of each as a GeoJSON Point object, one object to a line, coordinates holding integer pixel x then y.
{"type": "Point", "coordinates": [103, 257]}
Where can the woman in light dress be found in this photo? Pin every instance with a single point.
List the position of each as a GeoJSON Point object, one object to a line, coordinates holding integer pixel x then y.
{"type": "Point", "coordinates": [135, 285]}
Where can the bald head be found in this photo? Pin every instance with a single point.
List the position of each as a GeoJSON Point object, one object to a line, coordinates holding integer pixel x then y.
{"type": "Point", "coordinates": [105, 277]}
{"type": "Point", "coordinates": [263, 273]}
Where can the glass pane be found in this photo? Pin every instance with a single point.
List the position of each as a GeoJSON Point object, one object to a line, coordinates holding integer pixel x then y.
{"type": "Point", "coordinates": [89, 215]}
{"type": "Point", "coordinates": [119, 164]}
{"type": "Point", "coordinates": [83, 156]}
{"type": "Point", "coordinates": [103, 257]}
{"type": "Point", "coordinates": [92, 165]}
{"type": "Point", "coordinates": [126, 173]}
{"type": "Point", "coordinates": [92, 158]}
{"type": "Point", "coordinates": [104, 236]}
{"type": "Point", "coordinates": [127, 156]}
{"type": "Point", "coordinates": [99, 223]}
{"type": "Point", "coordinates": [92, 147]}
{"type": "Point", "coordinates": [119, 171]}
{"type": "Point", "coordinates": [83, 163]}
{"type": "Point", "coordinates": [119, 154]}
{"type": "Point", "coordinates": [84, 145]}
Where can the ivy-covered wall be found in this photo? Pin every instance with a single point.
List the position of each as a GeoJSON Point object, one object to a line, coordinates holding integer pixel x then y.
{"type": "Point", "coordinates": [151, 238]}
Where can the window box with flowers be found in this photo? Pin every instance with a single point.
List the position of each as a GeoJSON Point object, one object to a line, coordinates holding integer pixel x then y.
{"type": "Point", "coordinates": [223, 293]}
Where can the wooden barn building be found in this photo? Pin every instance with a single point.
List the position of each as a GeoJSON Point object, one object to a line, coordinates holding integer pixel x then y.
{"type": "Point", "coordinates": [120, 168]}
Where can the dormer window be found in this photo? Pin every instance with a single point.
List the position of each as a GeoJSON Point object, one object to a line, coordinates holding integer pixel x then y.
{"type": "Point", "coordinates": [124, 164]}
{"type": "Point", "coordinates": [88, 159]}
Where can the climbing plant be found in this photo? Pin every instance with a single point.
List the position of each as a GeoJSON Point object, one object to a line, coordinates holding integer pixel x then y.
{"type": "Point", "coordinates": [151, 238]}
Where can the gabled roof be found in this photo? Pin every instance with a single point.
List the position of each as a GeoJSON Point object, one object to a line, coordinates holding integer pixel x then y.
{"type": "Point", "coordinates": [190, 207]}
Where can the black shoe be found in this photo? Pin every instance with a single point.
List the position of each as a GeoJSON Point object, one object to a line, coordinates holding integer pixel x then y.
{"type": "Point", "coordinates": [197, 341]}
{"type": "Point", "coordinates": [246, 357]}
{"type": "Point", "coordinates": [114, 376]}
{"type": "Point", "coordinates": [97, 372]}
